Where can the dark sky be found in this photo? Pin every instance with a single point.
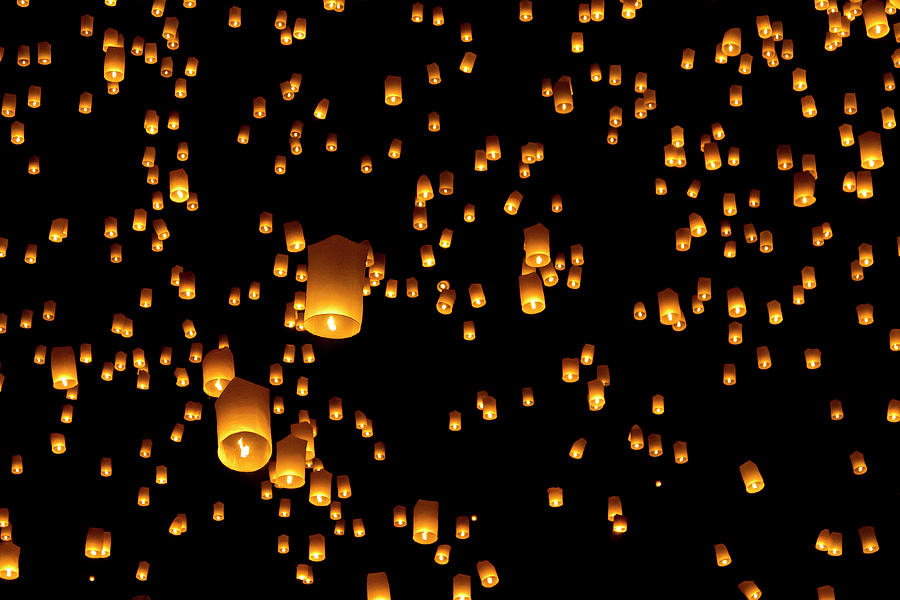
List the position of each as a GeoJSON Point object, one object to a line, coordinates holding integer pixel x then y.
{"type": "Point", "coordinates": [409, 366]}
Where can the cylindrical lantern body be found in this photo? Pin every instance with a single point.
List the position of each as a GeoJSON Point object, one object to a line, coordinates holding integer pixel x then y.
{"type": "Point", "coordinates": [425, 522]}
{"type": "Point", "coordinates": [334, 300]}
{"type": "Point", "coordinates": [753, 481]}
{"type": "Point", "coordinates": [243, 426]}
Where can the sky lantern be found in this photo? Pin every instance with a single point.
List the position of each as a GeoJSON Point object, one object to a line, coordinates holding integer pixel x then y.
{"type": "Point", "coordinates": [242, 421]}
{"type": "Point", "coordinates": [334, 300]}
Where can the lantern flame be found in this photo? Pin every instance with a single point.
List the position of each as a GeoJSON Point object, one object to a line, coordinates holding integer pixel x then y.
{"type": "Point", "coordinates": [245, 450]}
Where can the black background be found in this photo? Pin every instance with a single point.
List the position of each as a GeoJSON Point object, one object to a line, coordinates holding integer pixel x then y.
{"type": "Point", "coordinates": [410, 366]}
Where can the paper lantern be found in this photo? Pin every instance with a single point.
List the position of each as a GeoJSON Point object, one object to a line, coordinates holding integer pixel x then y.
{"type": "Point", "coordinates": [570, 370]}
{"type": "Point", "coordinates": [243, 428]}
{"type": "Point", "coordinates": [722, 557]}
{"type": "Point", "coordinates": [317, 547]}
{"type": "Point", "coordinates": [804, 189]}
{"type": "Point", "coordinates": [425, 522]}
{"type": "Point", "coordinates": [736, 305]}
{"type": "Point", "coordinates": [16, 464]}
{"type": "Point", "coordinates": [442, 554]}
{"type": "Point", "coordinates": [813, 357]}
{"type": "Point", "coordinates": [334, 292]}
{"type": "Point", "coordinates": [868, 540]}
{"type": "Point", "coordinates": [669, 308]}
{"type": "Point", "coordinates": [766, 244]}
{"type": "Point", "coordinates": [836, 544]}
{"type": "Point", "coordinates": [729, 374]}
{"type": "Point", "coordinates": [680, 452]}
{"type": "Point", "coordinates": [114, 64]}
{"type": "Point", "coordinates": [57, 443]}
{"type": "Point", "coordinates": [620, 524]}
{"type": "Point", "coordinates": [399, 516]}
{"type": "Point", "coordinates": [870, 154]}
{"type": "Point", "coordinates": [750, 590]}
{"type": "Point", "coordinates": [636, 438]}
{"type": "Point", "coordinates": [527, 396]}
{"type": "Point", "coordinates": [9, 561]}
{"type": "Point", "coordinates": [577, 450]}
{"type": "Point", "coordinates": [462, 527]}
{"type": "Point", "coordinates": [825, 592]}
{"type": "Point", "coordinates": [468, 62]}
{"type": "Point", "coordinates": [865, 255]}
{"type": "Point", "coordinates": [98, 543]}
{"type": "Point", "coordinates": [864, 185]}
{"type": "Point", "coordinates": [62, 368]}
{"type": "Point", "coordinates": [487, 573]}
{"type": "Point", "coordinates": [858, 463]}
{"type": "Point", "coordinates": [731, 42]}
{"type": "Point", "coordinates": [555, 496]}
{"type": "Point", "coordinates": [753, 481]}
{"type": "Point", "coordinates": [836, 410]}
{"type": "Point", "coordinates": [320, 488]}
{"type": "Point", "coordinates": [290, 463]}
{"type": "Point", "coordinates": [218, 371]}
{"type": "Point", "coordinates": [687, 59]}
{"type": "Point", "coordinates": [763, 358]}
{"type": "Point", "coordinates": [865, 314]}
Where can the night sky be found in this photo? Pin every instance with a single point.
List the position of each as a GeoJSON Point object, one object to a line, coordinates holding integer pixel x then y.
{"type": "Point", "coordinates": [788, 93]}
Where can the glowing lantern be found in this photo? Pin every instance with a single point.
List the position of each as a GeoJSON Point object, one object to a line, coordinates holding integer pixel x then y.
{"type": "Point", "coordinates": [865, 314]}
{"type": "Point", "coordinates": [242, 420]}
{"type": "Point", "coordinates": [527, 396]}
{"type": "Point", "coordinates": [393, 92]}
{"type": "Point", "coordinates": [868, 540]}
{"type": "Point", "coordinates": [876, 23]}
{"type": "Point", "coordinates": [750, 590]}
{"type": "Point", "coordinates": [680, 451]}
{"type": "Point", "coordinates": [753, 481]}
{"type": "Point", "coordinates": [320, 488]}
{"type": "Point", "coordinates": [837, 411]}
{"type": "Point", "coordinates": [98, 543]}
{"type": "Point", "coordinates": [425, 522]}
{"type": "Point", "coordinates": [62, 368]}
{"type": "Point", "coordinates": [729, 374]}
{"type": "Point", "coordinates": [577, 450]}
{"type": "Point", "coordinates": [531, 293]}
{"type": "Point", "coordinates": [813, 358]}
{"type": "Point", "coordinates": [487, 573]}
{"type": "Point", "coordinates": [636, 438]}
{"type": "Point", "coordinates": [870, 154]}
{"type": "Point", "coordinates": [570, 370]}
{"type": "Point", "coordinates": [731, 42]}
{"type": "Point", "coordinates": [462, 527]}
{"type": "Point", "coordinates": [555, 496]}
{"type": "Point", "coordinates": [467, 63]}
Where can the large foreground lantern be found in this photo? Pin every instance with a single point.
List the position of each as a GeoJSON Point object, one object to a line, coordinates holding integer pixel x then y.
{"type": "Point", "coordinates": [243, 426]}
{"type": "Point", "coordinates": [334, 292]}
